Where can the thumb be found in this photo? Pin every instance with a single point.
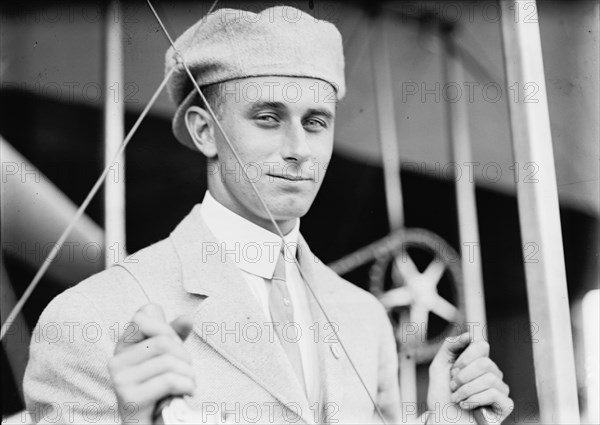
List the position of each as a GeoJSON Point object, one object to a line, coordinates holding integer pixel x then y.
{"type": "Point", "coordinates": [138, 321]}
{"type": "Point", "coordinates": [153, 310]}
{"type": "Point", "coordinates": [182, 326]}
{"type": "Point", "coordinates": [453, 347]}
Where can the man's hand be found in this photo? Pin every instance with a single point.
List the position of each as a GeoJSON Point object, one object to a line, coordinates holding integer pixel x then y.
{"type": "Point", "coordinates": [463, 375]}
{"type": "Point", "coordinates": [151, 364]}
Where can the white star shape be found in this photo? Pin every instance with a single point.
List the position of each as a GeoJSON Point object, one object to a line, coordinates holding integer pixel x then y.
{"type": "Point", "coordinates": [419, 291]}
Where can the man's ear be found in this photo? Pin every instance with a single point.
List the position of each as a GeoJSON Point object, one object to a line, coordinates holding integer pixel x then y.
{"type": "Point", "coordinates": [201, 128]}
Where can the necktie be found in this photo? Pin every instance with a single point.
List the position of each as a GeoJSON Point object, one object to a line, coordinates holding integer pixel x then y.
{"type": "Point", "coordinates": [282, 312]}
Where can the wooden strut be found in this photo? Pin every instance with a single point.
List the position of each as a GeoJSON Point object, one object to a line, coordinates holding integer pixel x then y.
{"type": "Point", "coordinates": [540, 220]}
{"type": "Point", "coordinates": [457, 124]}
{"type": "Point", "coordinates": [388, 138]}
{"type": "Point", "coordinates": [114, 132]}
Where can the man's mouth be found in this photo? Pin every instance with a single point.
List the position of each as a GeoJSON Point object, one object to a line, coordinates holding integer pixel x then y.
{"type": "Point", "coordinates": [292, 178]}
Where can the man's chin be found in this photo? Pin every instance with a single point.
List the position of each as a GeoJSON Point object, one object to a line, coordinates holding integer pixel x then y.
{"type": "Point", "coordinates": [284, 214]}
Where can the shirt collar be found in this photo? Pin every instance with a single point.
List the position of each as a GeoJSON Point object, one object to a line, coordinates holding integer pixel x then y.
{"type": "Point", "coordinates": [253, 248]}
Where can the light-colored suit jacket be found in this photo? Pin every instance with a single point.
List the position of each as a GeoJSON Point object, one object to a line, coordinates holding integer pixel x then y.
{"type": "Point", "coordinates": [241, 370]}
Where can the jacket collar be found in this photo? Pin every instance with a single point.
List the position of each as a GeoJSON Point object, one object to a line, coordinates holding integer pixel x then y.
{"type": "Point", "coordinates": [254, 249]}
{"type": "Point", "coordinates": [205, 267]}
{"type": "Point", "coordinates": [207, 271]}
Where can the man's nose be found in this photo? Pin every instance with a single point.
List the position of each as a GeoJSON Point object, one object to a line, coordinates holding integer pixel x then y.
{"type": "Point", "coordinates": [295, 145]}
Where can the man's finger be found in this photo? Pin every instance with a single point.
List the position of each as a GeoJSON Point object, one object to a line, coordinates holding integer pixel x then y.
{"type": "Point", "coordinates": [477, 385]}
{"type": "Point", "coordinates": [165, 363]}
{"type": "Point", "coordinates": [474, 351]}
{"type": "Point", "coordinates": [491, 397]}
{"type": "Point", "coordinates": [152, 347]}
{"type": "Point", "coordinates": [154, 310]}
{"type": "Point", "coordinates": [453, 346]}
{"type": "Point", "coordinates": [474, 370]}
{"type": "Point", "coordinates": [167, 384]}
{"type": "Point", "coordinates": [147, 322]}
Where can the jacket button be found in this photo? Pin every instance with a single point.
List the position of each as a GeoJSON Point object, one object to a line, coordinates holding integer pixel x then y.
{"type": "Point", "coordinates": [335, 350]}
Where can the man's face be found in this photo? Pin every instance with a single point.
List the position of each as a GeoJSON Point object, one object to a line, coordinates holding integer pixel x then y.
{"type": "Point", "coordinates": [282, 128]}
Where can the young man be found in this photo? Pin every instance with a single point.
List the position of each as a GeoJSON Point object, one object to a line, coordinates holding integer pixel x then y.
{"type": "Point", "coordinates": [247, 341]}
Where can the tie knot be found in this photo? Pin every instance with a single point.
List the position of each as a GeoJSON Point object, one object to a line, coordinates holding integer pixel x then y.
{"type": "Point", "coordinates": [279, 273]}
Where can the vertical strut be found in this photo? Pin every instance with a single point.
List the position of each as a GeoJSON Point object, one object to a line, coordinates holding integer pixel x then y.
{"type": "Point", "coordinates": [540, 221]}
{"type": "Point", "coordinates": [457, 124]}
{"type": "Point", "coordinates": [388, 138]}
{"type": "Point", "coordinates": [114, 131]}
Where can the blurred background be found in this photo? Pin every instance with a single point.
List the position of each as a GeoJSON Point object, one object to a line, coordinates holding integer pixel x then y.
{"type": "Point", "coordinates": [54, 90]}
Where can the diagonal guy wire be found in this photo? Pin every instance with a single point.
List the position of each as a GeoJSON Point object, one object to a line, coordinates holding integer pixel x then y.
{"type": "Point", "coordinates": [65, 234]}
{"type": "Point", "coordinates": [266, 208]}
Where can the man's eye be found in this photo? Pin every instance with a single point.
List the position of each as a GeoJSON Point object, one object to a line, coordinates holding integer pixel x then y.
{"type": "Point", "coordinates": [315, 124]}
{"type": "Point", "coordinates": [267, 119]}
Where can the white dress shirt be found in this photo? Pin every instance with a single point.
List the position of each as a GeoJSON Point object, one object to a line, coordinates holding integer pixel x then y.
{"type": "Point", "coordinates": [255, 250]}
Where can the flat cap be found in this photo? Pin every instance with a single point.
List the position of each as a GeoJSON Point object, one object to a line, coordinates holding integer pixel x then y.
{"type": "Point", "coordinates": [229, 44]}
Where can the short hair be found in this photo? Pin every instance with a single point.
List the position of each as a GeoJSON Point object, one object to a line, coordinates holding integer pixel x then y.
{"type": "Point", "coordinates": [214, 98]}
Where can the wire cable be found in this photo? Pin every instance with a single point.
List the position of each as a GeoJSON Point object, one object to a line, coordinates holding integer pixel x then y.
{"type": "Point", "coordinates": [262, 201]}
{"type": "Point", "coordinates": [65, 234]}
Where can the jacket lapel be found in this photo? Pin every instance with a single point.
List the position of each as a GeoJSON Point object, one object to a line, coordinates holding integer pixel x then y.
{"type": "Point", "coordinates": [230, 319]}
